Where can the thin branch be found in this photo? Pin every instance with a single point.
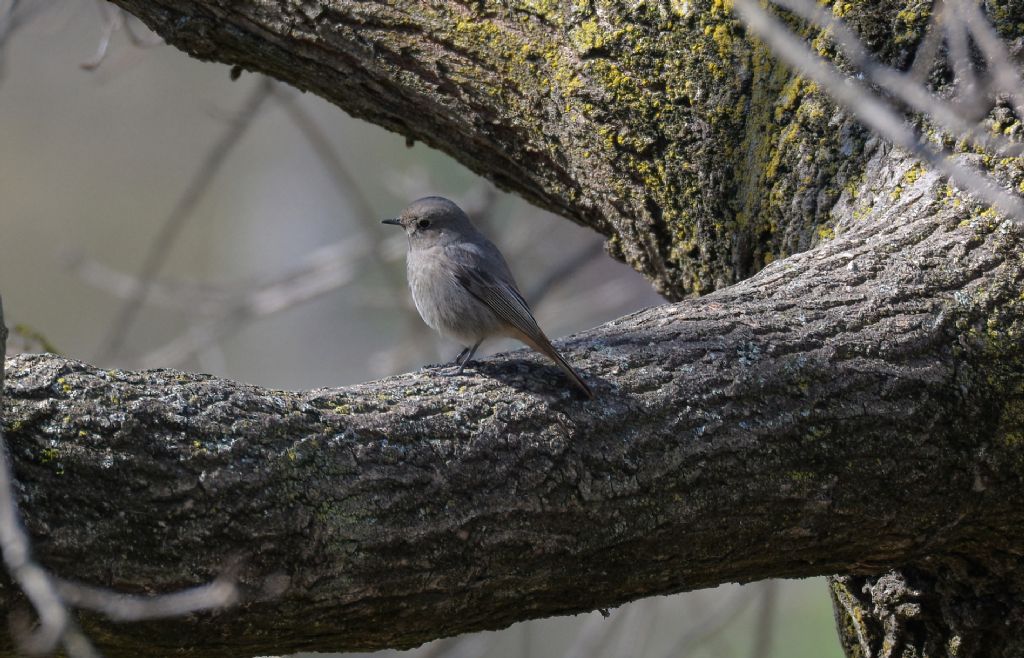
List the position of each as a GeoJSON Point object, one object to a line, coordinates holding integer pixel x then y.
{"type": "Point", "coordinates": [323, 271]}
{"type": "Point", "coordinates": [33, 339]}
{"type": "Point", "coordinates": [55, 622]}
{"type": "Point", "coordinates": [145, 40]}
{"type": "Point", "coordinates": [906, 87]}
{"type": "Point", "coordinates": [7, 16]}
{"type": "Point", "coordinates": [113, 20]}
{"type": "Point", "coordinates": [1000, 67]}
{"type": "Point", "coordinates": [967, 83]}
{"type": "Point", "coordinates": [367, 218]}
{"type": "Point", "coordinates": [174, 294]}
{"type": "Point", "coordinates": [928, 50]}
{"type": "Point", "coordinates": [563, 271]}
{"type": "Point", "coordinates": [13, 17]}
{"type": "Point", "coordinates": [125, 607]}
{"type": "Point", "coordinates": [160, 248]}
{"type": "Point", "coordinates": [53, 599]}
{"type": "Point", "coordinates": [872, 111]}
{"type": "Point", "coordinates": [348, 187]}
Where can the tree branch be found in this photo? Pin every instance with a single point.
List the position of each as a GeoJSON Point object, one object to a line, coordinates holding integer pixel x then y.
{"type": "Point", "coordinates": [849, 409]}
{"type": "Point", "coordinates": [854, 408]}
{"type": "Point", "coordinates": [659, 127]}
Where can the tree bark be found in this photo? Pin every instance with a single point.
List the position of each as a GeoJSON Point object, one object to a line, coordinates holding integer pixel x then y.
{"type": "Point", "coordinates": [954, 605]}
{"type": "Point", "coordinates": [852, 409]}
{"type": "Point", "coordinates": [661, 125]}
{"type": "Point", "coordinates": [855, 408]}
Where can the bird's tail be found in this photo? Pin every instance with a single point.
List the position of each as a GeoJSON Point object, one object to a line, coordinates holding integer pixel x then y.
{"type": "Point", "coordinates": [546, 348]}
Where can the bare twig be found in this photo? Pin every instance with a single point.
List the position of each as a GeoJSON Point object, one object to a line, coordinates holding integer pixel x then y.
{"type": "Point", "coordinates": [907, 87]}
{"type": "Point", "coordinates": [55, 622]}
{"type": "Point", "coordinates": [7, 8]}
{"type": "Point", "coordinates": [928, 51]}
{"type": "Point", "coordinates": [321, 145]}
{"type": "Point", "coordinates": [14, 14]}
{"type": "Point", "coordinates": [53, 599]}
{"type": "Point", "coordinates": [116, 19]}
{"type": "Point", "coordinates": [145, 40]}
{"type": "Point", "coordinates": [125, 607]}
{"type": "Point", "coordinates": [113, 20]}
{"type": "Point", "coordinates": [32, 338]}
{"type": "Point", "coordinates": [172, 225]}
{"type": "Point", "coordinates": [874, 111]}
{"type": "Point", "coordinates": [967, 83]}
{"type": "Point", "coordinates": [176, 294]}
{"type": "Point", "coordinates": [563, 271]}
{"type": "Point", "coordinates": [367, 219]}
{"type": "Point", "coordinates": [1001, 68]}
{"type": "Point", "coordinates": [326, 269]}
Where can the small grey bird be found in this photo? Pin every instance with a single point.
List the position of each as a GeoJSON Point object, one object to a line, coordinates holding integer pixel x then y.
{"type": "Point", "coordinates": [462, 286]}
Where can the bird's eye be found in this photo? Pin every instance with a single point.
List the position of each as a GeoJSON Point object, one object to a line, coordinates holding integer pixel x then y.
{"type": "Point", "coordinates": [423, 223]}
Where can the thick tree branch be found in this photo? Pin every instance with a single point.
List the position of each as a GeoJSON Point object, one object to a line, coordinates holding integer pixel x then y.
{"type": "Point", "coordinates": [850, 409]}
{"type": "Point", "coordinates": [661, 125]}
{"type": "Point", "coordinates": [854, 408]}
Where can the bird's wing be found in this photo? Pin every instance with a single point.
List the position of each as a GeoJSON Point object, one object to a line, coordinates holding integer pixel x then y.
{"type": "Point", "coordinates": [502, 298]}
{"type": "Point", "coordinates": [498, 293]}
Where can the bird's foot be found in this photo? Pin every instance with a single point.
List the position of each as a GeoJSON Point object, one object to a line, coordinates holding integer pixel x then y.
{"type": "Point", "coordinates": [451, 370]}
{"type": "Point", "coordinates": [445, 369]}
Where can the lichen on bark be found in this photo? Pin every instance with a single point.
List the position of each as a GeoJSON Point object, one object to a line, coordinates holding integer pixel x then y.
{"type": "Point", "coordinates": [862, 396]}
{"type": "Point", "coordinates": [661, 125]}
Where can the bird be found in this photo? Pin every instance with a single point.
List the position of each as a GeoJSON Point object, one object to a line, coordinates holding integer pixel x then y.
{"type": "Point", "coordinates": [462, 286]}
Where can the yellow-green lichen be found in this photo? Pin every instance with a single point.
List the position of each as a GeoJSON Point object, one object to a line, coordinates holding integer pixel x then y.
{"type": "Point", "coordinates": [912, 174]}
{"type": "Point", "coordinates": [688, 122]}
{"type": "Point", "coordinates": [549, 10]}
{"type": "Point", "coordinates": [588, 36]}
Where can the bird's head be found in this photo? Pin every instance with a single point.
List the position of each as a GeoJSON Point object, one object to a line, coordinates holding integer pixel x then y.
{"type": "Point", "coordinates": [433, 220]}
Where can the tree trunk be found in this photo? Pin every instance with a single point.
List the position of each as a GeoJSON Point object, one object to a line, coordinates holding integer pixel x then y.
{"type": "Point", "coordinates": [949, 605]}
{"type": "Point", "coordinates": [855, 408]}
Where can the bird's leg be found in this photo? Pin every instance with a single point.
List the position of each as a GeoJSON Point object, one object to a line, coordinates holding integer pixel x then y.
{"type": "Point", "coordinates": [472, 351]}
{"type": "Point", "coordinates": [461, 360]}
{"type": "Point", "coordinates": [461, 356]}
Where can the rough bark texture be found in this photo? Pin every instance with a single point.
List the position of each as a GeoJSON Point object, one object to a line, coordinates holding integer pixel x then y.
{"type": "Point", "coordinates": [659, 124]}
{"type": "Point", "coordinates": [855, 408]}
{"type": "Point", "coordinates": [852, 409]}
{"type": "Point", "coordinates": [943, 607]}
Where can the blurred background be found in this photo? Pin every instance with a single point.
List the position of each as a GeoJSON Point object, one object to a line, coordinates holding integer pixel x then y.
{"type": "Point", "coordinates": [156, 213]}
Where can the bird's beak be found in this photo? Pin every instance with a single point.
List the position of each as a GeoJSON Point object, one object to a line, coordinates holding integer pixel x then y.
{"type": "Point", "coordinates": [395, 222]}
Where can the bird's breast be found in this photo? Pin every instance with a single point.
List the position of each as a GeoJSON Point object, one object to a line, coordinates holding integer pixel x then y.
{"type": "Point", "coordinates": [443, 303]}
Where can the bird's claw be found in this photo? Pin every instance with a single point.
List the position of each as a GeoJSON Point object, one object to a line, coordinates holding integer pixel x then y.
{"type": "Point", "coordinates": [445, 369]}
